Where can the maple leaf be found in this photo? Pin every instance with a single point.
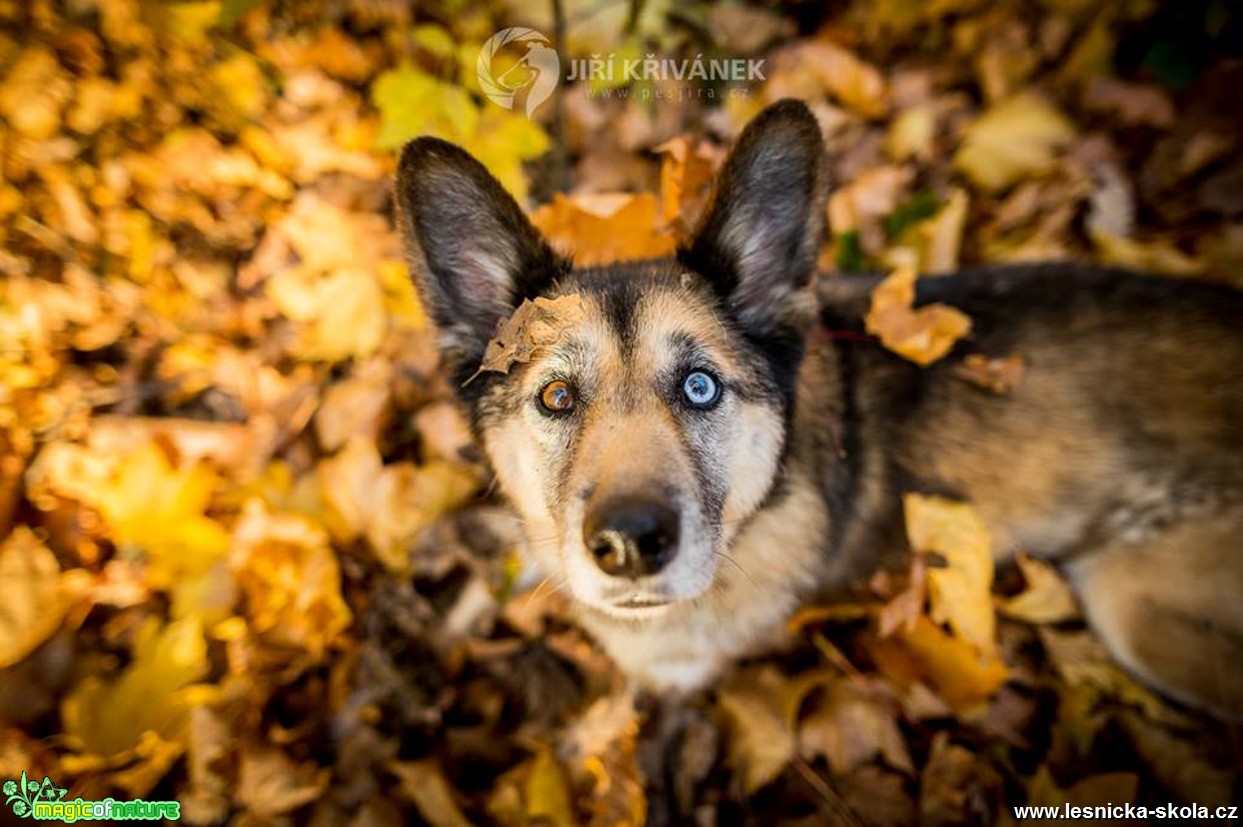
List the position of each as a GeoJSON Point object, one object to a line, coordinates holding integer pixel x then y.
{"type": "Point", "coordinates": [108, 717]}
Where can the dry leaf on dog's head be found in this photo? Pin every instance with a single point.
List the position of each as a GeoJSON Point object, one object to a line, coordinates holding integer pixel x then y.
{"type": "Point", "coordinates": [535, 324]}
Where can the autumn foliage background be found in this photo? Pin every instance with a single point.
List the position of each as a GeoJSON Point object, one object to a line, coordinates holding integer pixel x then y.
{"type": "Point", "coordinates": [250, 558]}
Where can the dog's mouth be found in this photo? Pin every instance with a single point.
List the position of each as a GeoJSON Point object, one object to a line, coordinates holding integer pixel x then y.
{"type": "Point", "coordinates": [638, 606]}
{"type": "Point", "coordinates": [642, 603]}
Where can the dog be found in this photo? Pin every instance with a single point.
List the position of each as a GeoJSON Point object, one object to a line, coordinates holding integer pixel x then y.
{"type": "Point", "coordinates": [693, 458]}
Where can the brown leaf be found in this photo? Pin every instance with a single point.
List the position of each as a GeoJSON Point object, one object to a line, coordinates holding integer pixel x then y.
{"type": "Point", "coordinates": [762, 738]}
{"type": "Point", "coordinates": [270, 783]}
{"type": "Point", "coordinates": [849, 727]}
{"type": "Point", "coordinates": [1000, 375]}
{"type": "Point", "coordinates": [424, 783]}
{"type": "Point", "coordinates": [921, 335]}
{"type": "Point", "coordinates": [959, 786]}
{"type": "Point", "coordinates": [906, 607]}
{"type": "Point", "coordinates": [1131, 103]}
{"type": "Point", "coordinates": [534, 325]}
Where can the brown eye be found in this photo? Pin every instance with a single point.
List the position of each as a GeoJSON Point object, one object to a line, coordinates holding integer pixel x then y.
{"type": "Point", "coordinates": [556, 397]}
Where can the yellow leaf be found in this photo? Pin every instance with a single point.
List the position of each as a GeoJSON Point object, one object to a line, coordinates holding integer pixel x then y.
{"type": "Point", "coordinates": [289, 575]}
{"type": "Point", "coordinates": [960, 593]}
{"type": "Point", "coordinates": [1017, 138]}
{"type": "Point", "coordinates": [157, 510]}
{"type": "Point", "coordinates": [960, 673]}
{"type": "Point", "coordinates": [32, 603]}
{"type": "Point", "coordinates": [922, 335]}
{"type": "Point", "coordinates": [1157, 256]}
{"type": "Point", "coordinates": [604, 228]}
{"type": "Point", "coordinates": [240, 83]}
{"type": "Point", "coordinates": [503, 141]}
{"type": "Point", "coordinates": [547, 792]}
{"type": "Point", "coordinates": [911, 133]}
{"type": "Point", "coordinates": [106, 718]}
{"type": "Point", "coordinates": [342, 313]}
{"type": "Point", "coordinates": [942, 234]}
{"type": "Point", "coordinates": [1046, 599]}
{"type": "Point", "coordinates": [414, 103]}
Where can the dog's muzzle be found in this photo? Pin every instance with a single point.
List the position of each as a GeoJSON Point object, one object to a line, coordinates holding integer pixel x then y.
{"type": "Point", "coordinates": [631, 536]}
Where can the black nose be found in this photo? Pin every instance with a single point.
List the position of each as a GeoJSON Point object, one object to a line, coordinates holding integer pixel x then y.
{"type": "Point", "coordinates": [631, 537]}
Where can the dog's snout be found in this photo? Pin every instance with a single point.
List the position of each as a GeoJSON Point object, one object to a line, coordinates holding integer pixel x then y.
{"type": "Point", "coordinates": [631, 537]}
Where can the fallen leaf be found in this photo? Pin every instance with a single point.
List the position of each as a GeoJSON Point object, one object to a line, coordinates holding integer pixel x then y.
{"type": "Point", "coordinates": [289, 575]}
{"type": "Point", "coordinates": [1001, 375]}
{"type": "Point", "coordinates": [341, 313]}
{"type": "Point", "coordinates": [959, 786]}
{"type": "Point", "coordinates": [1155, 256]}
{"type": "Point", "coordinates": [850, 727]}
{"type": "Point", "coordinates": [32, 603]}
{"type": "Point", "coordinates": [1017, 138]}
{"type": "Point", "coordinates": [762, 737]}
{"type": "Point", "coordinates": [604, 228]}
{"type": "Point", "coordinates": [959, 593]}
{"type": "Point", "coordinates": [835, 70]}
{"type": "Point", "coordinates": [1047, 598]}
{"type": "Point", "coordinates": [921, 335]}
{"type": "Point", "coordinates": [106, 717]}
{"type": "Point", "coordinates": [942, 234]}
{"type": "Point", "coordinates": [423, 782]}
{"type": "Point", "coordinates": [1130, 103]}
{"type": "Point", "coordinates": [957, 670]}
{"type": "Point", "coordinates": [546, 792]}
{"type": "Point", "coordinates": [686, 176]}
{"type": "Point", "coordinates": [534, 325]}
{"type": "Point", "coordinates": [270, 783]}
{"type": "Point", "coordinates": [906, 607]}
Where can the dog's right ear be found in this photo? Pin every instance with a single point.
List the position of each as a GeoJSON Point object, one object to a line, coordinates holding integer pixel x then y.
{"type": "Point", "coordinates": [472, 252]}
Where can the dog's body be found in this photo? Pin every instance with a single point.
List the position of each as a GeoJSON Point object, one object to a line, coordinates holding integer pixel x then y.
{"type": "Point", "coordinates": [694, 455]}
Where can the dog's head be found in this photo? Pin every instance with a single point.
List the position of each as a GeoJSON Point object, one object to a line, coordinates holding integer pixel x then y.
{"type": "Point", "coordinates": [638, 443]}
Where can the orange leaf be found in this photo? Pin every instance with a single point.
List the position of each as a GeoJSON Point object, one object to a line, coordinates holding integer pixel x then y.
{"type": "Point", "coordinates": [601, 229]}
{"type": "Point", "coordinates": [921, 335]}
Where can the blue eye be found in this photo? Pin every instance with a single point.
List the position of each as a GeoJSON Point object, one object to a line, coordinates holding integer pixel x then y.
{"type": "Point", "coordinates": [701, 389]}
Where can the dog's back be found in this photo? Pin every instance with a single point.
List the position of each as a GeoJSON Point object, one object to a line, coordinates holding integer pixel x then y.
{"type": "Point", "coordinates": [1120, 451]}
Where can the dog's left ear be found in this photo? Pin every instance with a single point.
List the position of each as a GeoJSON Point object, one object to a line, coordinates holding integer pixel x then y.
{"type": "Point", "coordinates": [760, 236]}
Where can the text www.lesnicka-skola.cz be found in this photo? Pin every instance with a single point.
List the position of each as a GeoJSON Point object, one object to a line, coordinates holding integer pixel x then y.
{"type": "Point", "coordinates": [1105, 811]}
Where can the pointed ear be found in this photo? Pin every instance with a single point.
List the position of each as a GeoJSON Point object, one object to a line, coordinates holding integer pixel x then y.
{"type": "Point", "coordinates": [760, 236]}
{"type": "Point", "coordinates": [472, 252]}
